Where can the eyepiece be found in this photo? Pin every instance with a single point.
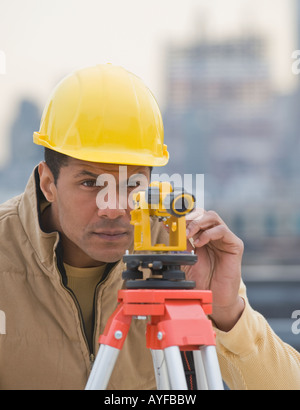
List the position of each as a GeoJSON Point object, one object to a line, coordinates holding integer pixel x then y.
{"type": "Point", "coordinates": [179, 203]}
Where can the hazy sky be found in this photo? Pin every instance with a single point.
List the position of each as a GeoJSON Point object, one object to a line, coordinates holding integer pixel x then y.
{"type": "Point", "coordinates": [45, 39]}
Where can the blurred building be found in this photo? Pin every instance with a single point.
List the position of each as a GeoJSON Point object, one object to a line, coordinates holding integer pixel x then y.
{"type": "Point", "coordinates": [222, 97]}
{"type": "Point", "coordinates": [24, 155]}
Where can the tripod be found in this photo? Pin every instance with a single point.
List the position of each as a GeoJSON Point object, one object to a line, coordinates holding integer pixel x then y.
{"type": "Point", "coordinates": [178, 322]}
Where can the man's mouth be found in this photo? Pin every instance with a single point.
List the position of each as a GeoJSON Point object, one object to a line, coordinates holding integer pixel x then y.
{"type": "Point", "coordinates": [111, 236]}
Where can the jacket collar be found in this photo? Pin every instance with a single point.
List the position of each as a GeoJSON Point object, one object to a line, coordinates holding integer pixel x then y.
{"type": "Point", "coordinates": [43, 243]}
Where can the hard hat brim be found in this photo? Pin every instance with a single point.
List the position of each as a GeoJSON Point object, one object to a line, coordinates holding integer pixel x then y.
{"type": "Point", "coordinates": [107, 156]}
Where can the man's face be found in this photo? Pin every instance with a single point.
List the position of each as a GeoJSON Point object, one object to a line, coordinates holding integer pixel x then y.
{"type": "Point", "coordinates": [93, 233]}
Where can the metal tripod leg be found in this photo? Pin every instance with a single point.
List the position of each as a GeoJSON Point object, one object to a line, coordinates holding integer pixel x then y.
{"type": "Point", "coordinates": [212, 369]}
{"type": "Point", "coordinates": [175, 368]}
{"type": "Point", "coordinates": [200, 371]}
{"type": "Point", "coordinates": [207, 369]}
{"type": "Point", "coordinates": [160, 369]}
{"type": "Point", "coordinates": [103, 367]}
{"type": "Point", "coordinates": [169, 371]}
{"type": "Point", "coordinates": [168, 367]}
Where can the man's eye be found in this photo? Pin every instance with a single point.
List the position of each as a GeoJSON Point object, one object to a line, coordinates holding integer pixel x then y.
{"type": "Point", "coordinates": [90, 183]}
{"type": "Point", "coordinates": [133, 184]}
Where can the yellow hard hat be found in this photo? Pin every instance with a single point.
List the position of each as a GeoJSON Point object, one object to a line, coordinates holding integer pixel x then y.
{"type": "Point", "coordinates": [104, 114]}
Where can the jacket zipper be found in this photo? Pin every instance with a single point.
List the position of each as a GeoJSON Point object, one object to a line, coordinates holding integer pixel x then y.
{"type": "Point", "coordinates": [91, 354]}
{"type": "Point", "coordinates": [94, 315]}
{"type": "Point", "coordinates": [72, 294]}
{"type": "Point", "coordinates": [95, 310]}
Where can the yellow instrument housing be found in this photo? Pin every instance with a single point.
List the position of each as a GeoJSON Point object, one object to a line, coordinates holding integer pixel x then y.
{"type": "Point", "coordinates": [168, 204]}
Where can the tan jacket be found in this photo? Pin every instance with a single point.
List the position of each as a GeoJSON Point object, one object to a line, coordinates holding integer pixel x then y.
{"type": "Point", "coordinates": [44, 346]}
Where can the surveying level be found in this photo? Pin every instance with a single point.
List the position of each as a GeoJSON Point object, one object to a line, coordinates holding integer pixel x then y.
{"type": "Point", "coordinates": [170, 206]}
{"type": "Point", "coordinates": [177, 312]}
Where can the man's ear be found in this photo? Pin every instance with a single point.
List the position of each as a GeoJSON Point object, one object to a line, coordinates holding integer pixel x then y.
{"type": "Point", "coordinates": [47, 183]}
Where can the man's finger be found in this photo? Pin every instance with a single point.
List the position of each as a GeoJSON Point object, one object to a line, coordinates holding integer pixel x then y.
{"type": "Point", "coordinates": [201, 222]}
{"type": "Point", "coordinates": [227, 241]}
{"type": "Point", "coordinates": [213, 234]}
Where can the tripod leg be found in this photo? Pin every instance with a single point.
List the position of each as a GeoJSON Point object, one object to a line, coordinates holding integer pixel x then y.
{"type": "Point", "coordinates": [161, 371]}
{"type": "Point", "coordinates": [103, 367]}
{"type": "Point", "coordinates": [200, 371]}
{"type": "Point", "coordinates": [212, 369]}
{"type": "Point", "coordinates": [175, 368]}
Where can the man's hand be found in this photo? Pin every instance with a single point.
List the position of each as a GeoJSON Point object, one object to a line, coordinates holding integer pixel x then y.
{"type": "Point", "coordinates": [218, 267]}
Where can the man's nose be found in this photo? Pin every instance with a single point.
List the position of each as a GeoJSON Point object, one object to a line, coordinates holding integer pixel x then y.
{"type": "Point", "coordinates": [112, 207]}
{"type": "Point", "coordinates": [111, 213]}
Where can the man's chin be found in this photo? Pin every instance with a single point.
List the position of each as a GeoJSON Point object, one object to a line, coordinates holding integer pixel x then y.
{"type": "Point", "coordinates": [108, 256]}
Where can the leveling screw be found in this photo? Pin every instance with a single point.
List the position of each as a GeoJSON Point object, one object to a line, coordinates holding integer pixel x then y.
{"type": "Point", "coordinates": [160, 335]}
{"type": "Point", "coordinates": [118, 335]}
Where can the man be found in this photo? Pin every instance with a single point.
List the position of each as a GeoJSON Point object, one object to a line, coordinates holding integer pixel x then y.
{"type": "Point", "coordinates": [61, 253]}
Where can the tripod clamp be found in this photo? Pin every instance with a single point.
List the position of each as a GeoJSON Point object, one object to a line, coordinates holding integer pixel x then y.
{"type": "Point", "coordinates": [168, 326]}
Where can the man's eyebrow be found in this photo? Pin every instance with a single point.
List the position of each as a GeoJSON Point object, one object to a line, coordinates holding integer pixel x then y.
{"type": "Point", "coordinates": [85, 173]}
